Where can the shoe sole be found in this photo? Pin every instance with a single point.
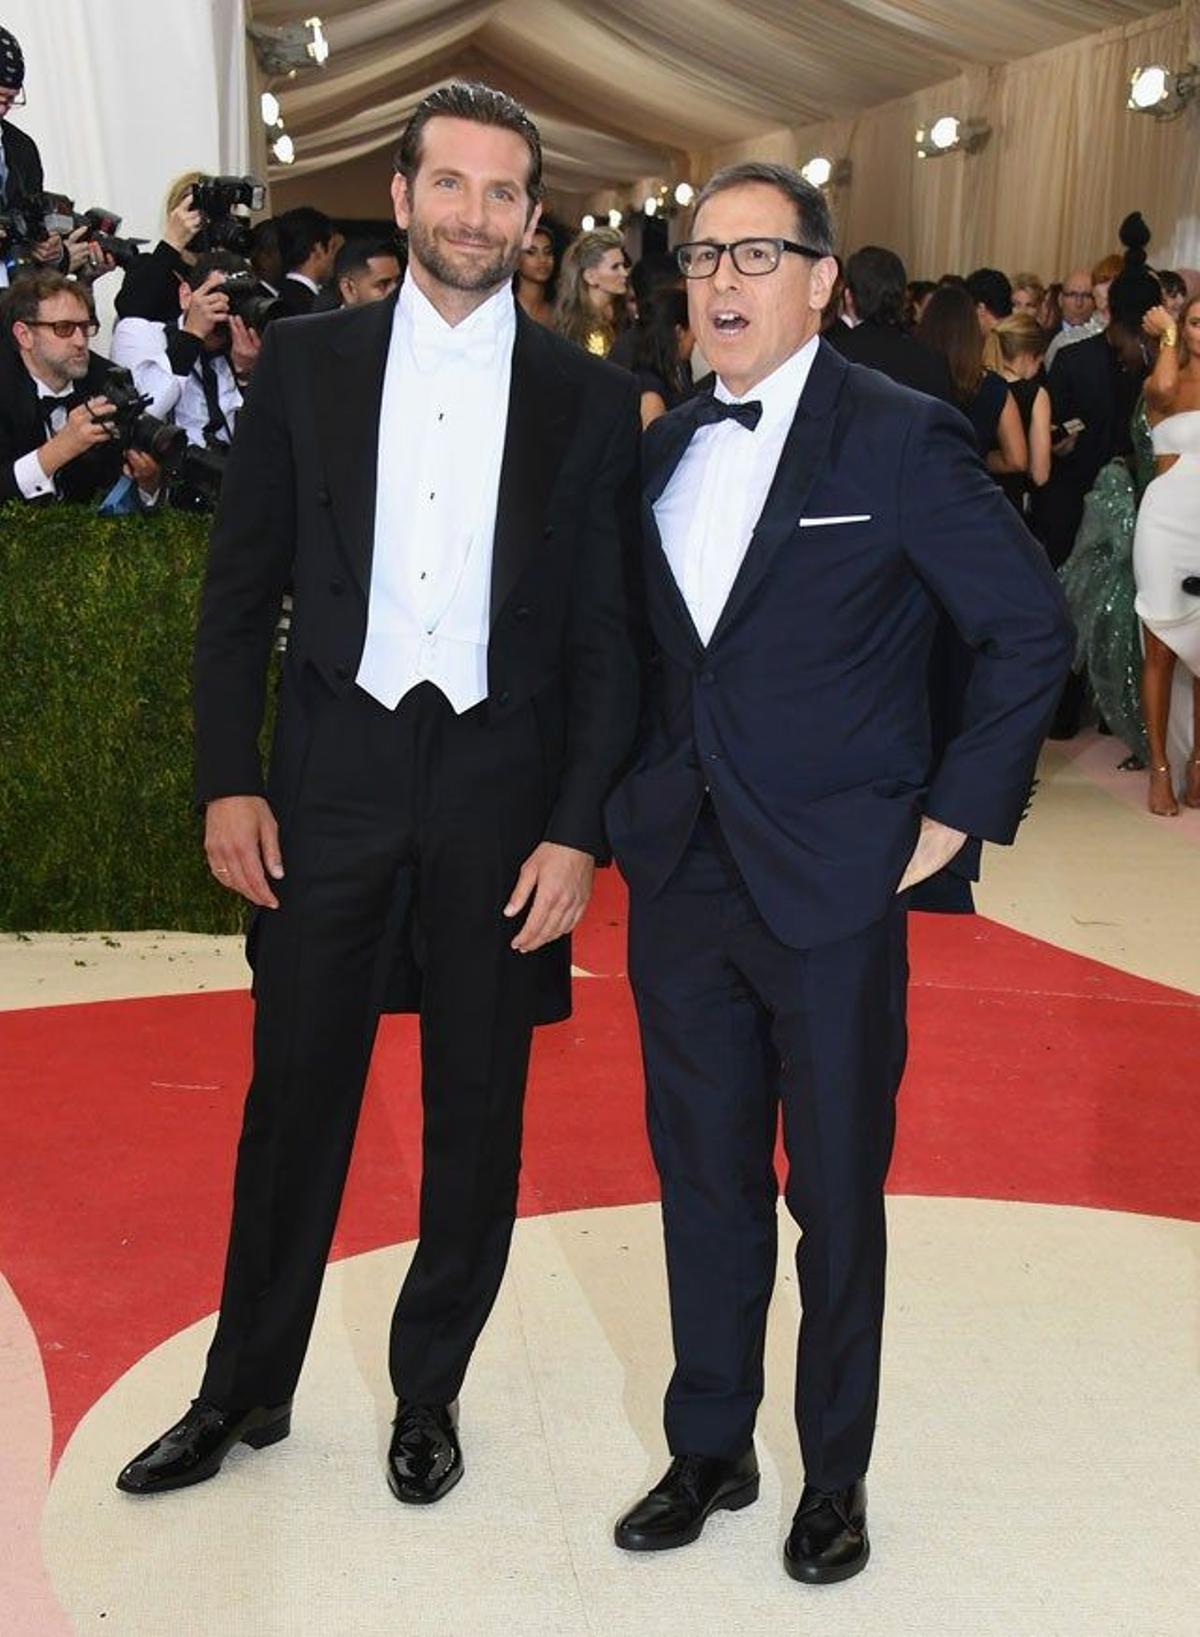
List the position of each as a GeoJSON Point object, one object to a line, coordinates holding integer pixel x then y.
{"type": "Point", "coordinates": [734, 1501]}
{"type": "Point", "coordinates": [809, 1574]}
{"type": "Point", "coordinates": [256, 1437]}
{"type": "Point", "coordinates": [425, 1500]}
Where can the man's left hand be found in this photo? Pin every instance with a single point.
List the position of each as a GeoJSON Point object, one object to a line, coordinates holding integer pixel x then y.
{"type": "Point", "coordinates": [245, 345]}
{"type": "Point", "coordinates": [559, 880]}
{"type": "Point", "coordinates": [144, 470]}
{"type": "Point", "coordinates": [936, 846]}
{"type": "Point", "coordinates": [49, 251]}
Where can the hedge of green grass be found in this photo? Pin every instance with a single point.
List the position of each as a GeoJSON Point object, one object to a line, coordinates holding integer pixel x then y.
{"type": "Point", "coordinates": [97, 827]}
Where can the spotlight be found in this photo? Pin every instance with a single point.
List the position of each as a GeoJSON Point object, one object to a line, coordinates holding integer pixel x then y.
{"type": "Point", "coordinates": [270, 108]}
{"type": "Point", "coordinates": [1157, 91]}
{"type": "Point", "coordinates": [283, 149]}
{"type": "Point", "coordinates": [588, 223]}
{"type": "Point", "coordinates": [615, 218]}
{"type": "Point", "coordinates": [650, 206]}
{"type": "Point", "coordinates": [285, 50]}
{"type": "Point", "coordinates": [684, 194]}
{"type": "Point", "coordinates": [826, 173]}
{"type": "Point", "coordinates": [949, 134]}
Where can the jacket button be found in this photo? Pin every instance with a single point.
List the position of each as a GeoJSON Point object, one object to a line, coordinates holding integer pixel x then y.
{"type": "Point", "coordinates": [521, 613]}
{"type": "Point", "coordinates": [503, 697]}
{"type": "Point", "coordinates": [337, 587]}
{"type": "Point", "coordinates": [708, 677]}
{"type": "Point", "coordinates": [342, 672]}
{"type": "Point", "coordinates": [324, 498]}
{"type": "Point", "coordinates": [547, 531]}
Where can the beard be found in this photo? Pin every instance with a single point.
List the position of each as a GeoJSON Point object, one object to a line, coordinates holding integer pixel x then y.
{"type": "Point", "coordinates": [487, 273]}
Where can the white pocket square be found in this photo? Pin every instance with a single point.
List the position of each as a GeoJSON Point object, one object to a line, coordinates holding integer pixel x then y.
{"type": "Point", "coordinates": [824, 522]}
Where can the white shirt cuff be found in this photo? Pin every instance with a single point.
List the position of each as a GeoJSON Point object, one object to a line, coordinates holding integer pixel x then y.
{"type": "Point", "coordinates": [29, 477]}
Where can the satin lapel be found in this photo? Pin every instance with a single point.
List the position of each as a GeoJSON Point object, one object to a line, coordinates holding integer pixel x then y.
{"type": "Point", "coordinates": [542, 411]}
{"type": "Point", "coordinates": [665, 448]}
{"type": "Point", "coordinates": [349, 397]}
{"type": "Point", "coordinates": [805, 451]}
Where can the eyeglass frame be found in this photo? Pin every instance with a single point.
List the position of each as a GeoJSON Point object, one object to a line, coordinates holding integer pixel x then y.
{"type": "Point", "coordinates": [64, 328]}
{"type": "Point", "coordinates": [20, 100]}
{"type": "Point", "coordinates": [733, 245]}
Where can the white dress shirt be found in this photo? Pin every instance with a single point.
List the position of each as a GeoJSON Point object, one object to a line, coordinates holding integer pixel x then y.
{"type": "Point", "coordinates": [707, 512]}
{"type": "Point", "coordinates": [442, 427]}
{"type": "Point", "coordinates": [27, 471]}
{"type": "Point", "coordinates": [140, 346]}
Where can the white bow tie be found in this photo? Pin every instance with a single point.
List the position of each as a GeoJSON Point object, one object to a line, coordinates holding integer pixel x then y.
{"type": "Point", "coordinates": [435, 349]}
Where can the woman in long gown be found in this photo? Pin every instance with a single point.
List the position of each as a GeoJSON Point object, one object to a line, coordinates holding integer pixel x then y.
{"type": "Point", "coordinates": [1166, 563]}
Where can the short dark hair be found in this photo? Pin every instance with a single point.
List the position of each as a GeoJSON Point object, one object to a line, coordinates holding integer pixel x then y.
{"type": "Point", "coordinates": [878, 281]}
{"type": "Point", "coordinates": [215, 261]}
{"type": "Point", "coordinates": [28, 290]}
{"type": "Point", "coordinates": [813, 220]}
{"type": "Point", "coordinates": [300, 232]}
{"type": "Point", "coordinates": [1172, 283]}
{"type": "Point", "coordinates": [989, 287]}
{"type": "Point", "coordinates": [468, 99]}
{"type": "Point", "coordinates": [354, 255]}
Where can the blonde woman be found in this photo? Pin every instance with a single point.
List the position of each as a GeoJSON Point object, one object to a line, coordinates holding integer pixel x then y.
{"type": "Point", "coordinates": [151, 287]}
{"type": "Point", "coordinates": [1015, 349]}
{"type": "Point", "coordinates": [591, 290]}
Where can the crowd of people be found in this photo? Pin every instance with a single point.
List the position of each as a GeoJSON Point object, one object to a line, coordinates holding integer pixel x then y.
{"type": "Point", "coordinates": [1078, 390]}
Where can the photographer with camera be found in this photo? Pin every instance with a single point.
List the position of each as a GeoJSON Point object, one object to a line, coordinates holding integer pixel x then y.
{"type": "Point", "coordinates": [60, 432]}
{"type": "Point", "coordinates": [308, 246]}
{"type": "Point", "coordinates": [196, 367]}
{"type": "Point", "coordinates": [20, 163]}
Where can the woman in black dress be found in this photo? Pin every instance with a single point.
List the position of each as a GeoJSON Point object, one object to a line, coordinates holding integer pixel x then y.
{"type": "Point", "coordinates": [1015, 350]}
{"type": "Point", "coordinates": [949, 326]}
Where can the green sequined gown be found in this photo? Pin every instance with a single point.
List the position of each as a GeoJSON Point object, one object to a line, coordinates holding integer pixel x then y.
{"type": "Point", "coordinates": [1098, 580]}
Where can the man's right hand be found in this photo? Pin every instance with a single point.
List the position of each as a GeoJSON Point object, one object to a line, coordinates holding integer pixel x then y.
{"type": "Point", "coordinates": [241, 841]}
{"type": "Point", "coordinates": [207, 307]}
{"type": "Point", "coordinates": [83, 429]}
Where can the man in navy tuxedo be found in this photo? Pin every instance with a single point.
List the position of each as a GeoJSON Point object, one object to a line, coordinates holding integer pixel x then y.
{"type": "Point", "coordinates": [805, 522]}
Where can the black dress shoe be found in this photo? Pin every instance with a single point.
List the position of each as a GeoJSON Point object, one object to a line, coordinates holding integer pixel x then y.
{"type": "Point", "coordinates": [424, 1457]}
{"type": "Point", "coordinates": [828, 1540]}
{"type": "Point", "coordinates": [674, 1512]}
{"type": "Point", "coordinates": [193, 1449]}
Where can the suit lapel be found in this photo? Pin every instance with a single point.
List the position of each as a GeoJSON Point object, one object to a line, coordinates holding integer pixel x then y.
{"type": "Point", "coordinates": [349, 398]}
{"type": "Point", "coordinates": [805, 452]}
{"type": "Point", "coordinates": [542, 406]}
{"type": "Point", "coordinates": [666, 445]}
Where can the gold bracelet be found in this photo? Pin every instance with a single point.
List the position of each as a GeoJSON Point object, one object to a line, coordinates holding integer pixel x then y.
{"type": "Point", "coordinates": [1171, 336]}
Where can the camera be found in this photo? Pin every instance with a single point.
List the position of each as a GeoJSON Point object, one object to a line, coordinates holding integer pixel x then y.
{"type": "Point", "coordinates": [247, 301]}
{"type": "Point", "coordinates": [131, 428]}
{"type": "Point", "coordinates": [225, 203]}
{"type": "Point", "coordinates": [31, 221]}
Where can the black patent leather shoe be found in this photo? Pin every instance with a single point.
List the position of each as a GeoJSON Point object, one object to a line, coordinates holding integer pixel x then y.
{"type": "Point", "coordinates": [675, 1510]}
{"type": "Point", "coordinates": [193, 1449]}
{"type": "Point", "coordinates": [424, 1457]}
{"type": "Point", "coordinates": [828, 1539]}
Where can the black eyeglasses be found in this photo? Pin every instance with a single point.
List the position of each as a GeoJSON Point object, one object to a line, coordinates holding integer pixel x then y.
{"type": "Point", "coordinates": [64, 328]}
{"type": "Point", "coordinates": [17, 96]}
{"type": "Point", "coordinates": [752, 257]}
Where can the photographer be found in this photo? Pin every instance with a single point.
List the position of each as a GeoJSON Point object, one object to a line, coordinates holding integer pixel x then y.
{"type": "Point", "coordinates": [151, 287]}
{"type": "Point", "coordinates": [195, 367]}
{"type": "Point", "coordinates": [56, 437]}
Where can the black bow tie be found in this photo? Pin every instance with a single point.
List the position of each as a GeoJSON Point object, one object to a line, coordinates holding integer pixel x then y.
{"type": "Point", "coordinates": [711, 410]}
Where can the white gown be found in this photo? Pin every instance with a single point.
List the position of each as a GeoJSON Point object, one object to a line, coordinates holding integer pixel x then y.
{"type": "Point", "coordinates": [1166, 551]}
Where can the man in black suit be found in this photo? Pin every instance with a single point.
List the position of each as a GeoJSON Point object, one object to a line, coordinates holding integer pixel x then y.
{"type": "Point", "coordinates": [448, 489]}
{"type": "Point", "coordinates": [308, 247]}
{"type": "Point", "coordinates": [55, 442]}
{"type": "Point", "coordinates": [21, 181]}
{"type": "Point", "coordinates": [803, 525]}
{"type": "Point", "coordinates": [876, 285]}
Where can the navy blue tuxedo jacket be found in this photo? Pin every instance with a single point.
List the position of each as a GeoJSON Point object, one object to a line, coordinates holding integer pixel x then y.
{"type": "Point", "coordinates": [807, 713]}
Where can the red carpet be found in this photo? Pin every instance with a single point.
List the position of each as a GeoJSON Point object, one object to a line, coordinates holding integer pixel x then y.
{"type": "Point", "coordinates": [1035, 1075]}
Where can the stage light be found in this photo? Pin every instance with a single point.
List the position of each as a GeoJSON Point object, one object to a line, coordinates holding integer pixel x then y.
{"type": "Point", "coordinates": [283, 149]}
{"type": "Point", "coordinates": [818, 171]}
{"type": "Point", "coordinates": [949, 134]}
{"type": "Point", "coordinates": [270, 108]}
{"type": "Point", "coordinates": [283, 51]}
{"type": "Point", "coordinates": [650, 206]}
{"type": "Point", "coordinates": [684, 194]}
{"type": "Point", "coordinates": [588, 224]}
{"type": "Point", "coordinates": [1157, 91]}
{"type": "Point", "coordinates": [615, 218]}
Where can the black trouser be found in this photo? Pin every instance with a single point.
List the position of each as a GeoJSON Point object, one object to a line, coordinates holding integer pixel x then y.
{"type": "Point", "coordinates": [414, 809]}
{"type": "Point", "coordinates": [735, 1023]}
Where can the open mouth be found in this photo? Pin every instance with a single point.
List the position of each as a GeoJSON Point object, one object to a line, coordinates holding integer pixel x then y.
{"type": "Point", "coordinates": [729, 323]}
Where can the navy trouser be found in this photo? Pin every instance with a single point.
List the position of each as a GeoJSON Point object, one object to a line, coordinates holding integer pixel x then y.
{"type": "Point", "coordinates": [736, 1025]}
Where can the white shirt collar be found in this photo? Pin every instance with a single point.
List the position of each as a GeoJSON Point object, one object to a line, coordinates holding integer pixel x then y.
{"type": "Point", "coordinates": [779, 392]}
{"type": "Point", "coordinates": [43, 391]}
{"type": "Point", "coordinates": [309, 284]}
{"type": "Point", "coordinates": [493, 320]}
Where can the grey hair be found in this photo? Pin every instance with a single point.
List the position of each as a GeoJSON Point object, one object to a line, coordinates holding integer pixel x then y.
{"type": "Point", "coordinates": [812, 211]}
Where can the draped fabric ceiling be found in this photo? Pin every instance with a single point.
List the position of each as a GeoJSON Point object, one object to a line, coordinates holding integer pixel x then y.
{"type": "Point", "coordinates": [627, 90]}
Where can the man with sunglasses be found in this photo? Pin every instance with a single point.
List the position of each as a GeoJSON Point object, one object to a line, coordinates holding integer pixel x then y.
{"type": "Point", "coordinates": [54, 442]}
{"type": "Point", "coordinates": [804, 523]}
